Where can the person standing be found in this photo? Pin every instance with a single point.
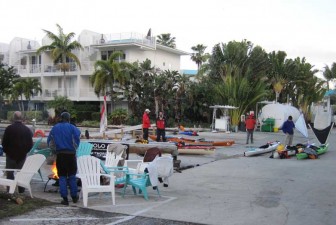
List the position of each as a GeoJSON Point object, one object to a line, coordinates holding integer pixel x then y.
{"type": "Point", "coordinates": [288, 128]}
{"type": "Point", "coordinates": [64, 138]}
{"type": "Point", "coordinates": [250, 123]}
{"type": "Point", "coordinates": [145, 124]}
{"type": "Point", "coordinates": [16, 142]}
{"type": "Point", "coordinates": [161, 127]}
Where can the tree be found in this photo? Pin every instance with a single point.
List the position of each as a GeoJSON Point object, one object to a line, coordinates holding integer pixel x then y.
{"type": "Point", "coordinates": [279, 72]}
{"type": "Point", "coordinates": [329, 73]}
{"type": "Point", "coordinates": [18, 91]}
{"type": "Point", "coordinates": [199, 56]}
{"type": "Point", "coordinates": [166, 40]}
{"type": "Point", "coordinates": [7, 79]}
{"type": "Point", "coordinates": [31, 86]}
{"type": "Point", "coordinates": [110, 75]}
{"type": "Point", "coordinates": [62, 48]}
{"type": "Point", "coordinates": [240, 92]}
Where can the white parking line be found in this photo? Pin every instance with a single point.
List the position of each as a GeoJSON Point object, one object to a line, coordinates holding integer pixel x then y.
{"type": "Point", "coordinates": [143, 211]}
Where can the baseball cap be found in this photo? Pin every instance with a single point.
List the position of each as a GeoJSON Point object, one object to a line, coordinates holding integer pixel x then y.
{"type": "Point", "coordinates": [147, 110]}
{"type": "Point", "coordinates": [65, 115]}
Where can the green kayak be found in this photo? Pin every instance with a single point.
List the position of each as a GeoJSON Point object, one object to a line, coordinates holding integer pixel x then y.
{"type": "Point", "coordinates": [321, 150]}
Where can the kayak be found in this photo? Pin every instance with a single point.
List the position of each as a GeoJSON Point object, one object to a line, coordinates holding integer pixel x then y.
{"type": "Point", "coordinates": [271, 146]}
{"type": "Point", "coordinates": [186, 141]}
{"type": "Point", "coordinates": [287, 152]}
{"type": "Point", "coordinates": [196, 150]}
{"type": "Point", "coordinates": [319, 150]}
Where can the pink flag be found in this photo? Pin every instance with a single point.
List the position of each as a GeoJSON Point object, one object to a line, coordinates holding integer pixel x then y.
{"type": "Point", "coordinates": [103, 117]}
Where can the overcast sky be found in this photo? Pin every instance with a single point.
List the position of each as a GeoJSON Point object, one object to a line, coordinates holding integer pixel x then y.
{"type": "Point", "coordinates": [302, 28]}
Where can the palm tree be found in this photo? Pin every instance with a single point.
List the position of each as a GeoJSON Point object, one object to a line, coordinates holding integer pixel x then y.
{"type": "Point", "coordinates": [61, 48]}
{"type": "Point", "coordinates": [32, 86]}
{"type": "Point", "coordinates": [238, 91]}
{"type": "Point", "coordinates": [18, 91]}
{"type": "Point", "coordinates": [25, 87]}
{"type": "Point", "coordinates": [279, 71]}
{"type": "Point", "coordinates": [108, 72]}
{"type": "Point", "coordinates": [199, 57]}
{"type": "Point", "coordinates": [166, 40]}
{"type": "Point", "coordinates": [329, 73]}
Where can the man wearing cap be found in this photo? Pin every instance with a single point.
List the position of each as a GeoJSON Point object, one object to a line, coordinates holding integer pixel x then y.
{"type": "Point", "coordinates": [145, 124]}
{"type": "Point", "coordinates": [64, 138]}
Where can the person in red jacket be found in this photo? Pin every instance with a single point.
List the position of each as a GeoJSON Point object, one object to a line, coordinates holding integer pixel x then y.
{"type": "Point", "coordinates": [161, 127]}
{"type": "Point", "coordinates": [145, 124]}
{"type": "Point", "coordinates": [250, 123]}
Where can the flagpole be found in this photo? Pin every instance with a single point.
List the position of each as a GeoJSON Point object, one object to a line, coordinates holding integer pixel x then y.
{"type": "Point", "coordinates": [103, 118]}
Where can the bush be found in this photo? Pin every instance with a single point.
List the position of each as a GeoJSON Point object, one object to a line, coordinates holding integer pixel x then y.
{"type": "Point", "coordinates": [87, 123]}
{"type": "Point", "coordinates": [133, 120]}
{"type": "Point", "coordinates": [95, 116]}
{"type": "Point", "coordinates": [83, 115]}
{"type": "Point", "coordinates": [118, 117]}
{"type": "Point", "coordinates": [27, 116]}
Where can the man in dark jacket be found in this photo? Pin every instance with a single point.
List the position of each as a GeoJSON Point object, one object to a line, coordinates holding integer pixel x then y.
{"type": "Point", "coordinates": [288, 129]}
{"type": "Point", "coordinates": [64, 138]}
{"type": "Point", "coordinates": [161, 127]}
{"type": "Point", "coordinates": [17, 142]}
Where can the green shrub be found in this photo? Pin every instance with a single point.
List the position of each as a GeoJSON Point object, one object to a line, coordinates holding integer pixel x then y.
{"type": "Point", "coordinates": [133, 120]}
{"type": "Point", "coordinates": [87, 123]}
{"type": "Point", "coordinates": [118, 117]}
{"type": "Point", "coordinates": [83, 115]}
{"type": "Point", "coordinates": [27, 116]}
{"type": "Point", "coordinates": [30, 115]}
{"type": "Point", "coordinates": [95, 116]}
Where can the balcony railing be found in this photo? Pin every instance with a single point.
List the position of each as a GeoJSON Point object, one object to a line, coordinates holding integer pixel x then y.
{"type": "Point", "coordinates": [53, 68]}
{"type": "Point", "coordinates": [124, 38]}
{"type": "Point", "coordinates": [53, 92]}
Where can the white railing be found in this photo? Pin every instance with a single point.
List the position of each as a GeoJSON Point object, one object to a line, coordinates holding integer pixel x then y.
{"type": "Point", "coordinates": [53, 92]}
{"type": "Point", "coordinates": [87, 92]}
{"type": "Point", "coordinates": [123, 38]}
{"type": "Point", "coordinates": [52, 68]}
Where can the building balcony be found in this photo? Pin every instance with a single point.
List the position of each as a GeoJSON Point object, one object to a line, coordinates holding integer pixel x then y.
{"type": "Point", "coordinates": [129, 38]}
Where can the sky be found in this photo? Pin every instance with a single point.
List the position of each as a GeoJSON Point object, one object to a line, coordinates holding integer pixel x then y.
{"type": "Point", "coordinates": [301, 28]}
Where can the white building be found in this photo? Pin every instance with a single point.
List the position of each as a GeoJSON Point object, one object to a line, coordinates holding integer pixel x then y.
{"type": "Point", "coordinates": [21, 54]}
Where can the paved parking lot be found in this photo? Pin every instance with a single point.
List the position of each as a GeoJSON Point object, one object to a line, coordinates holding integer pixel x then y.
{"type": "Point", "coordinates": [223, 188]}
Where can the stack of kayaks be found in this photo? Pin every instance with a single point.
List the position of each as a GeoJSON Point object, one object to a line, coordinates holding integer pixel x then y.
{"type": "Point", "coordinates": [201, 142]}
{"type": "Point", "coordinates": [196, 150]}
{"type": "Point", "coordinates": [271, 146]}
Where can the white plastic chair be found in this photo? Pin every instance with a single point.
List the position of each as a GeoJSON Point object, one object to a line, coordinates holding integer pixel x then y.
{"type": "Point", "coordinates": [24, 176]}
{"type": "Point", "coordinates": [89, 173]}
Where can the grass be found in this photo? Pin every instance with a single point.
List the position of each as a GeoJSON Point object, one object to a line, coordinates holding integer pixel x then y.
{"type": "Point", "coordinates": [10, 207]}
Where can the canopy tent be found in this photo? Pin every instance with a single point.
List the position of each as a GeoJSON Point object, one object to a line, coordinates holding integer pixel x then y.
{"type": "Point", "coordinates": [224, 121]}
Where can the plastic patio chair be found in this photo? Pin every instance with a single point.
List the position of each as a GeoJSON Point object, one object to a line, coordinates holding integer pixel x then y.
{"type": "Point", "coordinates": [110, 166]}
{"type": "Point", "coordinates": [140, 181]}
{"type": "Point", "coordinates": [24, 176]}
{"type": "Point", "coordinates": [84, 148]}
{"type": "Point", "coordinates": [34, 150]}
{"type": "Point", "coordinates": [89, 173]}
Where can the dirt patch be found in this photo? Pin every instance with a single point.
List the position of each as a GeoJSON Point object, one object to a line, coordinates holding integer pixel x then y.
{"type": "Point", "coordinates": [13, 205]}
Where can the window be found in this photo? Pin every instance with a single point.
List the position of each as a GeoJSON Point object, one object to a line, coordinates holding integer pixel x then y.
{"type": "Point", "coordinates": [33, 60]}
{"type": "Point", "coordinates": [106, 54]}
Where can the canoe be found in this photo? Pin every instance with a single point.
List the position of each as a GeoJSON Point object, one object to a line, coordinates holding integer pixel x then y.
{"type": "Point", "coordinates": [319, 150]}
{"type": "Point", "coordinates": [187, 141]}
{"type": "Point", "coordinates": [196, 150]}
{"type": "Point", "coordinates": [271, 146]}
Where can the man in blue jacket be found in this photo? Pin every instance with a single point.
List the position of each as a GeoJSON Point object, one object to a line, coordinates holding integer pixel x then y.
{"type": "Point", "coordinates": [288, 129]}
{"type": "Point", "coordinates": [64, 138]}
